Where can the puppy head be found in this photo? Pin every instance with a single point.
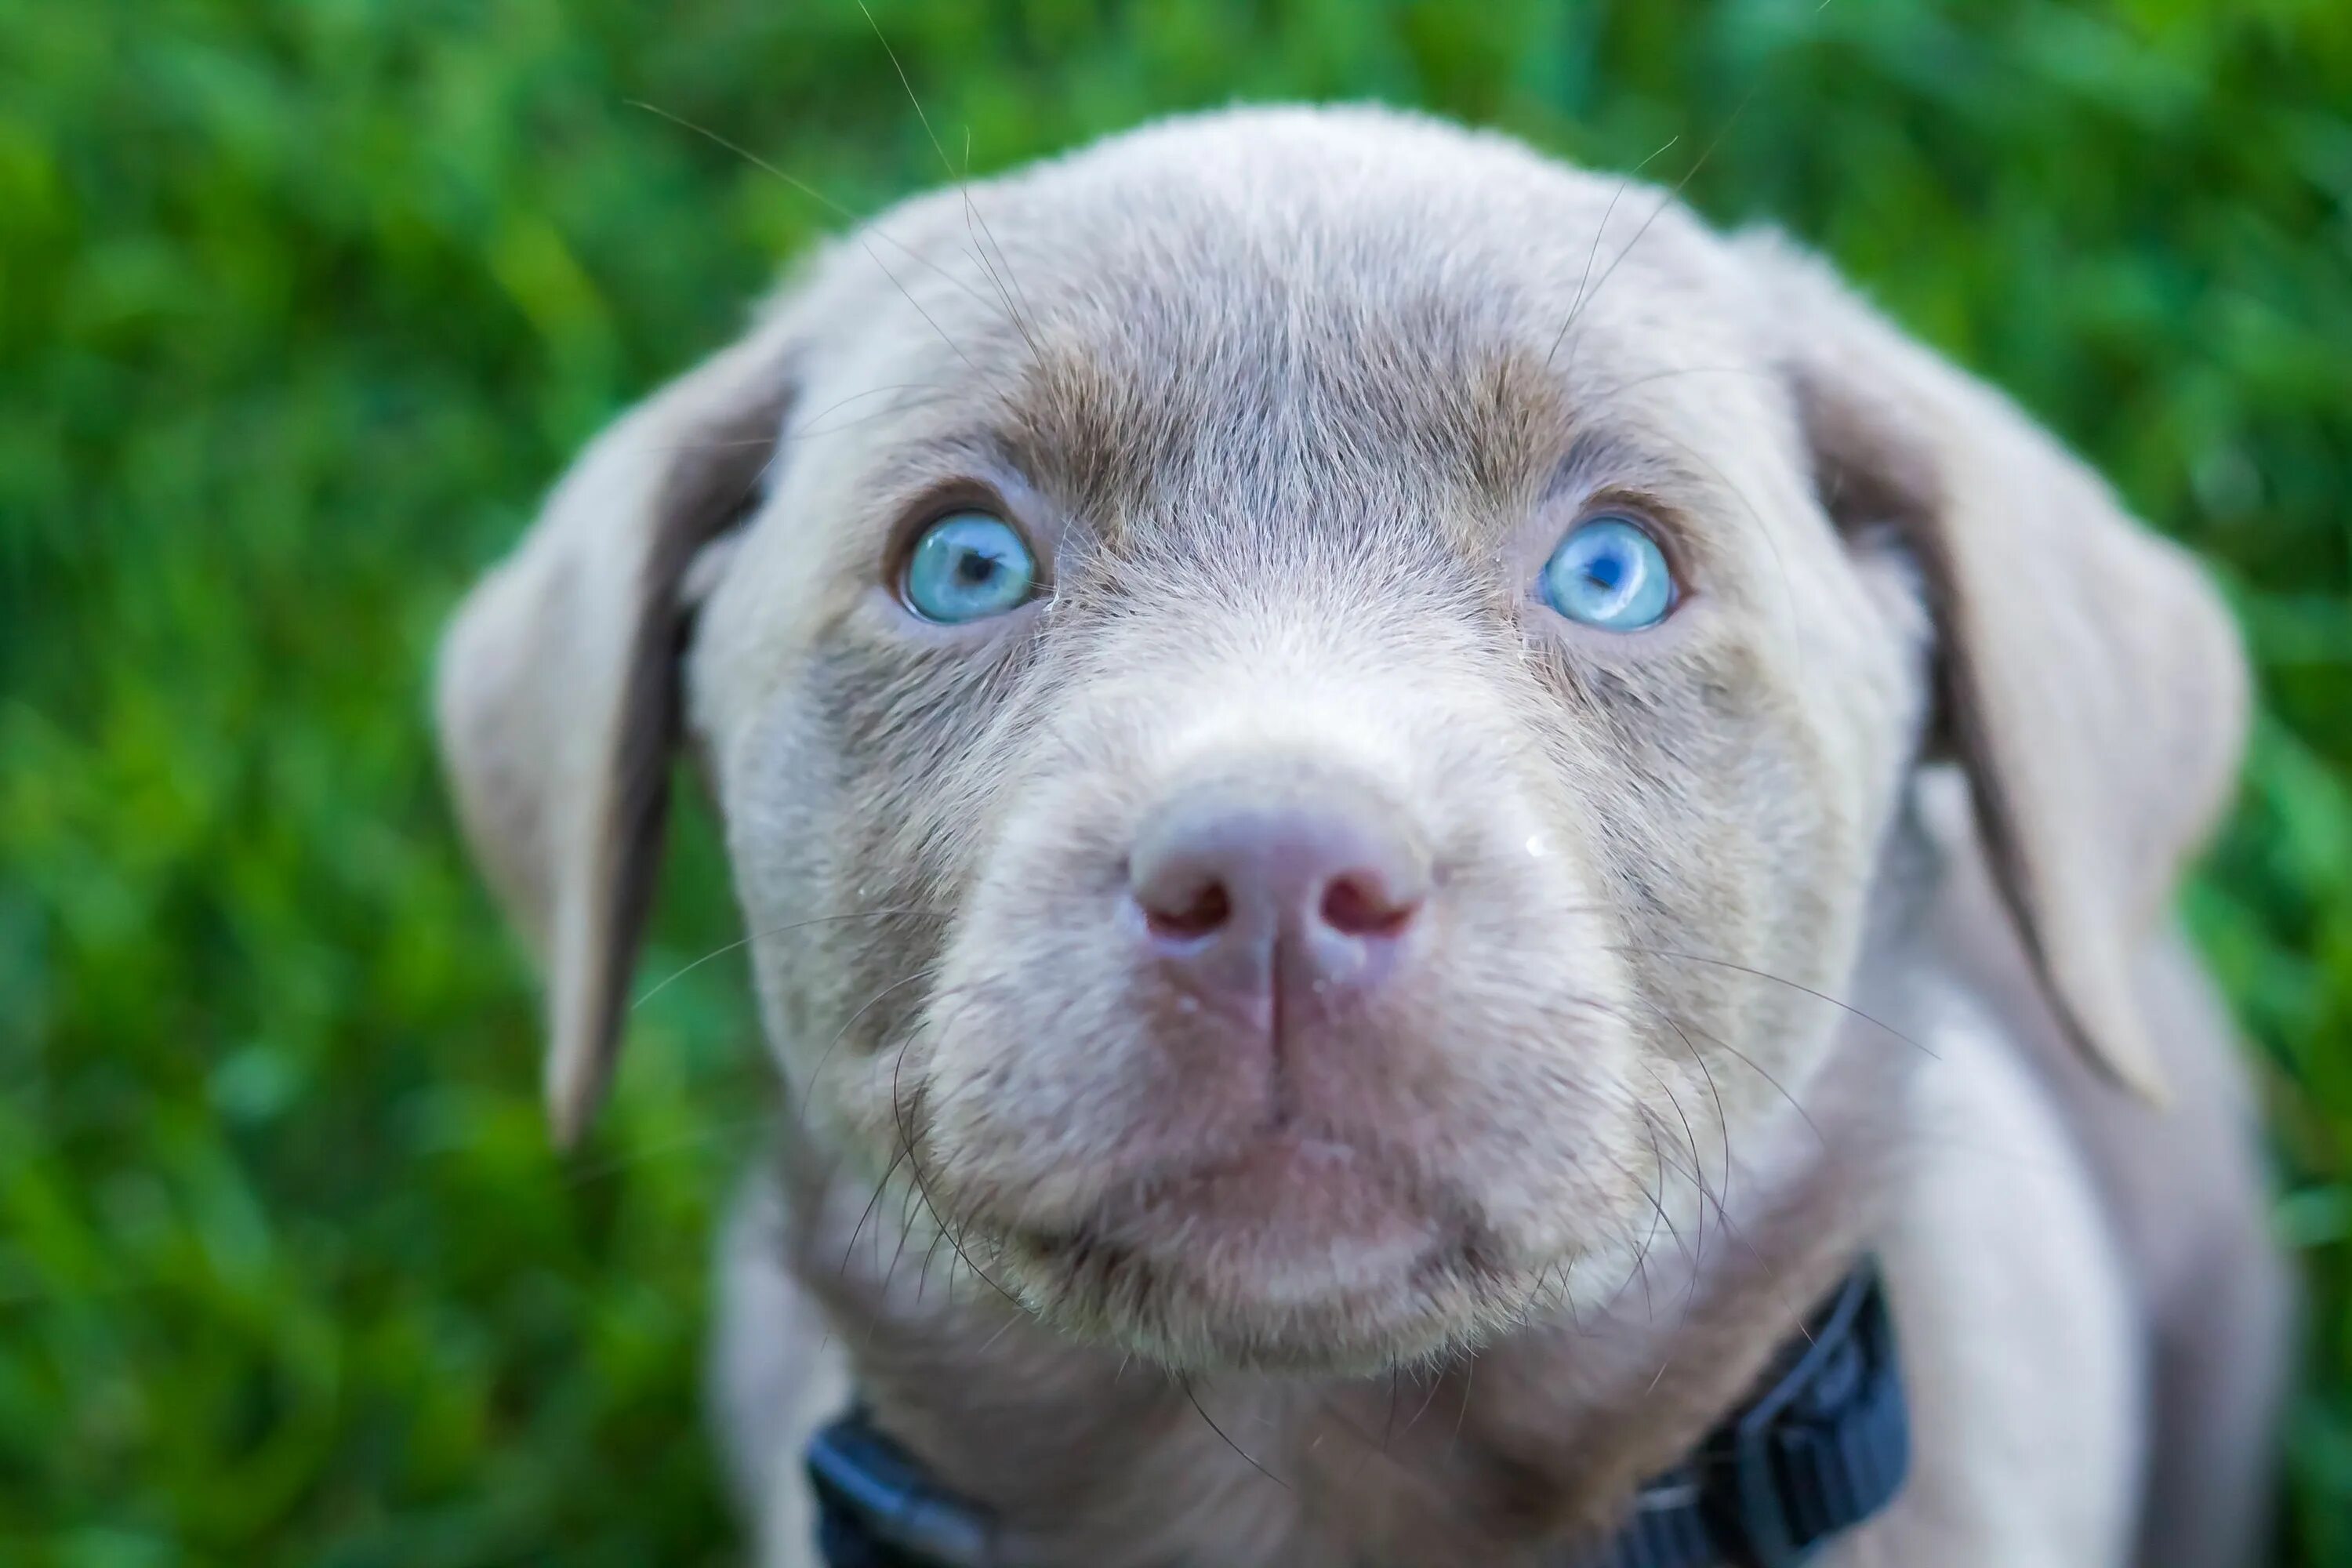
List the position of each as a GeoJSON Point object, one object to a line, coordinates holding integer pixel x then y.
{"type": "Point", "coordinates": [1277, 685]}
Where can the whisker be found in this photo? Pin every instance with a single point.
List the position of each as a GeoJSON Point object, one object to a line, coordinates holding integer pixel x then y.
{"type": "Point", "coordinates": [1846, 1007]}
{"type": "Point", "coordinates": [1719, 1043]}
{"type": "Point", "coordinates": [1600, 232]}
{"type": "Point", "coordinates": [1185, 1383]}
{"type": "Point", "coordinates": [836, 208]}
{"type": "Point", "coordinates": [903, 405]}
{"type": "Point", "coordinates": [974, 214]}
{"type": "Point", "coordinates": [1699, 1240]}
{"type": "Point", "coordinates": [1772, 1274]}
{"type": "Point", "coordinates": [757, 1120]}
{"type": "Point", "coordinates": [939, 1236]}
{"type": "Point", "coordinates": [879, 1187]}
{"type": "Point", "coordinates": [906, 1231]}
{"type": "Point", "coordinates": [1673, 196]}
{"type": "Point", "coordinates": [927, 973]}
{"type": "Point", "coordinates": [1672, 1231]}
{"type": "Point", "coordinates": [1615, 388]}
{"type": "Point", "coordinates": [1436, 1377]}
{"type": "Point", "coordinates": [903, 1116]}
{"type": "Point", "coordinates": [1387, 1430]}
{"type": "Point", "coordinates": [1469, 1367]}
{"type": "Point", "coordinates": [1642, 1257]}
{"type": "Point", "coordinates": [903, 1150]}
{"type": "Point", "coordinates": [810, 427]}
{"type": "Point", "coordinates": [961, 181]}
{"type": "Point", "coordinates": [628, 1160]}
{"type": "Point", "coordinates": [1697, 1176]}
{"type": "Point", "coordinates": [859, 234]}
{"type": "Point", "coordinates": [1722, 1117]}
{"type": "Point", "coordinates": [677, 975]}
{"type": "Point", "coordinates": [928, 319]}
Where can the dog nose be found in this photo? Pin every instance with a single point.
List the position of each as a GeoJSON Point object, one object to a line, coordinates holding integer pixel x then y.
{"type": "Point", "coordinates": [1299, 892]}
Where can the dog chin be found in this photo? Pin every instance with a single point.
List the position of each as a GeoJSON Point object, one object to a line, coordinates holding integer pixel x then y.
{"type": "Point", "coordinates": [1170, 1313]}
{"type": "Point", "coordinates": [1291, 1256]}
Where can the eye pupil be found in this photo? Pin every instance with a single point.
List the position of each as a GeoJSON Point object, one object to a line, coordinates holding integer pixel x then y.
{"type": "Point", "coordinates": [975, 568]}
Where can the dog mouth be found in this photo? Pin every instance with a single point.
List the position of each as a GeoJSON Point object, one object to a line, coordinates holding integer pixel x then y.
{"type": "Point", "coordinates": [1296, 1251]}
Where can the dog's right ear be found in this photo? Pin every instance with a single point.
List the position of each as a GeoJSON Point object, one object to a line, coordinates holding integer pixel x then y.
{"type": "Point", "coordinates": [557, 691]}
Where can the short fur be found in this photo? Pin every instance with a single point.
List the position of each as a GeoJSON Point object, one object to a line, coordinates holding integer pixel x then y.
{"type": "Point", "coordinates": [1719, 988]}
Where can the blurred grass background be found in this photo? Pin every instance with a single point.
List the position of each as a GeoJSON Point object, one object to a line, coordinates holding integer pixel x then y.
{"type": "Point", "coordinates": [302, 305]}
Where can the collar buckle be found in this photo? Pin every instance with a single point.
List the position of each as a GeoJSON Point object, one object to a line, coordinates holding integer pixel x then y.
{"type": "Point", "coordinates": [1825, 1447]}
{"type": "Point", "coordinates": [877, 1509]}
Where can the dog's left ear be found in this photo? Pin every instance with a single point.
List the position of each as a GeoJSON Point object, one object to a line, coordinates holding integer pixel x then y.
{"type": "Point", "coordinates": [557, 691]}
{"type": "Point", "coordinates": [2094, 685]}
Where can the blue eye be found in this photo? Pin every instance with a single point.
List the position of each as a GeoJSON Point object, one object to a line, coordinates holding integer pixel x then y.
{"type": "Point", "coordinates": [967, 566]}
{"type": "Point", "coordinates": [1610, 574]}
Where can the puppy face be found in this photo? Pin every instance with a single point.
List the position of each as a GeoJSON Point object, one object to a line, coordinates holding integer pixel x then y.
{"type": "Point", "coordinates": [1306, 705]}
{"type": "Point", "coordinates": [1317, 942]}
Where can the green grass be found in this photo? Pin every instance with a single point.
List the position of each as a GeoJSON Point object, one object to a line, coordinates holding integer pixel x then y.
{"type": "Point", "coordinates": [302, 304]}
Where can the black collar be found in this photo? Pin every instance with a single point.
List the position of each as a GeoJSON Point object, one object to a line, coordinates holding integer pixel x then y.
{"type": "Point", "coordinates": [1822, 1447]}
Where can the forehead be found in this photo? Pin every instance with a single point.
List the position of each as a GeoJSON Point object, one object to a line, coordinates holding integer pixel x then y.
{"type": "Point", "coordinates": [1251, 304]}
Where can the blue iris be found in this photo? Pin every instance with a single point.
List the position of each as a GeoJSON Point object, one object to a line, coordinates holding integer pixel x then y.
{"type": "Point", "coordinates": [967, 566]}
{"type": "Point", "coordinates": [1610, 574]}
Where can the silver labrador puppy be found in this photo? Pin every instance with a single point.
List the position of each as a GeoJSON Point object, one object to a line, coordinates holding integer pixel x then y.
{"type": "Point", "coordinates": [1391, 803]}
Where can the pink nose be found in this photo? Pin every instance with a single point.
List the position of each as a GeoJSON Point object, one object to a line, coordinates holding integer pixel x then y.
{"type": "Point", "coordinates": [1293, 893]}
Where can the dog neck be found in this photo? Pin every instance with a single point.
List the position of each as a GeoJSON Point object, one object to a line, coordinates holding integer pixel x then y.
{"type": "Point", "coordinates": [1514, 1452]}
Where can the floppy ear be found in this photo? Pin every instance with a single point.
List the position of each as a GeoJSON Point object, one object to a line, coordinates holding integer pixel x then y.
{"type": "Point", "coordinates": [557, 691]}
{"type": "Point", "coordinates": [2094, 686]}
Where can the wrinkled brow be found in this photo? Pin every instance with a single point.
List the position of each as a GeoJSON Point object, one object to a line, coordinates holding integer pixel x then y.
{"type": "Point", "coordinates": [1463, 416]}
{"type": "Point", "coordinates": [1603, 456]}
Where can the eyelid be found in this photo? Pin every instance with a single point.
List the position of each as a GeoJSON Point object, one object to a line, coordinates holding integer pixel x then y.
{"type": "Point", "coordinates": [1661, 522]}
{"type": "Point", "coordinates": [935, 503]}
{"type": "Point", "coordinates": [1623, 505]}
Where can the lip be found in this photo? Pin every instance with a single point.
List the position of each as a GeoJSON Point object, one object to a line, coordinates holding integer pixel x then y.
{"type": "Point", "coordinates": [1289, 1220]}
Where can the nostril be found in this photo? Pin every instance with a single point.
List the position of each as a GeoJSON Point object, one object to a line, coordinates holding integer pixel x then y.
{"type": "Point", "coordinates": [1358, 905]}
{"type": "Point", "coordinates": [1208, 907]}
